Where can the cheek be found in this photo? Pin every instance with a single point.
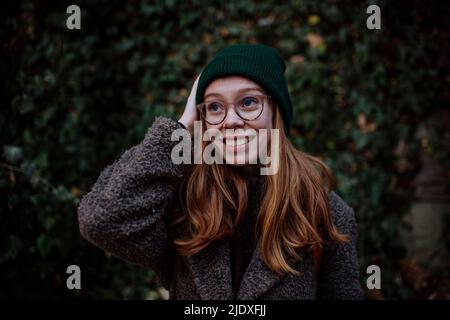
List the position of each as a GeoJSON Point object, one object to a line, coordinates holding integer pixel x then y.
{"type": "Point", "coordinates": [210, 126]}
{"type": "Point", "coordinates": [264, 121]}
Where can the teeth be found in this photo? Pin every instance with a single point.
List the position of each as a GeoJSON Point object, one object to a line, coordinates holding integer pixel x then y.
{"type": "Point", "coordinates": [237, 141]}
{"type": "Point", "coordinates": [241, 141]}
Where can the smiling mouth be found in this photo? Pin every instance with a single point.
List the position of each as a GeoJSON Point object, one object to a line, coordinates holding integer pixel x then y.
{"type": "Point", "coordinates": [235, 141]}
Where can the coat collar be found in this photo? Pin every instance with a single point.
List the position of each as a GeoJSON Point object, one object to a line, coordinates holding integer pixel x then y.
{"type": "Point", "coordinates": [211, 269]}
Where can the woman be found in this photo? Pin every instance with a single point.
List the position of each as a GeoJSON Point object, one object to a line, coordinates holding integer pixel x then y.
{"type": "Point", "coordinates": [224, 231]}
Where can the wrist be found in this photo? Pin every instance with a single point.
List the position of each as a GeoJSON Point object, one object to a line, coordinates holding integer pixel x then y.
{"type": "Point", "coordinates": [182, 124]}
{"type": "Point", "coordinates": [185, 124]}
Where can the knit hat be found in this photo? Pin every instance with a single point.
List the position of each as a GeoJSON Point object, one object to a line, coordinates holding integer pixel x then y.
{"type": "Point", "coordinates": [259, 63]}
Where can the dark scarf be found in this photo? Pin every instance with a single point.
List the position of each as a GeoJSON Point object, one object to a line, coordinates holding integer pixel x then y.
{"type": "Point", "coordinates": [243, 240]}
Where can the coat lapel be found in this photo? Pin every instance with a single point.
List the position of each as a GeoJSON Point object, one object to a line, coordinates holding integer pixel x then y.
{"type": "Point", "coordinates": [258, 278]}
{"type": "Point", "coordinates": [211, 269]}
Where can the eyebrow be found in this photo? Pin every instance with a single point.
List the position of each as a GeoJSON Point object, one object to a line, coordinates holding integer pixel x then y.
{"type": "Point", "coordinates": [239, 91]}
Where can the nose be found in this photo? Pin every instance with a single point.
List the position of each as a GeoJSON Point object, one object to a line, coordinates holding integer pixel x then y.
{"type": "Point", "coordinates": [232, 120]}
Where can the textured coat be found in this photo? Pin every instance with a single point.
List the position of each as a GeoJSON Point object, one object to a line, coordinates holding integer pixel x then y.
{"type": "Point", "coordinates": [127, 214]}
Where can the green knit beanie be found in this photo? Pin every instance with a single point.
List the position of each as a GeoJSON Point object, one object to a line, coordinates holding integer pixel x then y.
{"type": "Point", "coordinates": [259, 63]}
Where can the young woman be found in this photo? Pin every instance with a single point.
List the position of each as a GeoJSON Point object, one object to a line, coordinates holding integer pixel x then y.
{"type": "Point", "coordinates": [224, 231]}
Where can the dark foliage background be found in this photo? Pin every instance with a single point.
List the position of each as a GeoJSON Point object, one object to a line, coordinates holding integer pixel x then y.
{"type": "Point", "coordinates": [73, 101]}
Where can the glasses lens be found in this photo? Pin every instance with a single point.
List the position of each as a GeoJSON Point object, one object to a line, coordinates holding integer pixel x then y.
{"type": "Point", "coordinates": [213, 112]}
{"type": "Point", "coordinates": [250, 107]}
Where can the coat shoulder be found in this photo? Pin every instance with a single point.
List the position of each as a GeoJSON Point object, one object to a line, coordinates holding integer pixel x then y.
{"type": "Point", "coordinates": [343, 215]}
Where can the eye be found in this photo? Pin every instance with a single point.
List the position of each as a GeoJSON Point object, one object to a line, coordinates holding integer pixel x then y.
{"type": "Point", "coordinates": [249, 102]}
{"type": "Point", "coordinates": [214, 107]}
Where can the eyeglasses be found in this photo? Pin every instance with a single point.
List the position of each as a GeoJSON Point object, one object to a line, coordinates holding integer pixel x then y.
{"type": "Point", "coordinates": [248, 108]}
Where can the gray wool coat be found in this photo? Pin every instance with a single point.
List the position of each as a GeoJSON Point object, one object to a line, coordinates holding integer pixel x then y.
{"type": "Point", "coordinates": [126, 214]}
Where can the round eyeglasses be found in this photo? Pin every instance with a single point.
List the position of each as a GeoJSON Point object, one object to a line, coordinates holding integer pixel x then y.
{"type": "Point", "coordinates": [248, 108]}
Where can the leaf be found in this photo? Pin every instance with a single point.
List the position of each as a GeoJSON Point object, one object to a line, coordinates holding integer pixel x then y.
{"type": "Point", "coordinates": [12, 154]}
{"type": "Point", "coordinates": [44, 245]}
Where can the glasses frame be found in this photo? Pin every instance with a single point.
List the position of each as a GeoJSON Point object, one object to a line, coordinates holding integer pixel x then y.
{"type": "Point", "coordinates": [266, 98]}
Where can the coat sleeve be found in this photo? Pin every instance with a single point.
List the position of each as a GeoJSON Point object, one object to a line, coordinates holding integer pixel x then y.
{"type": "Point", "coordinates": [339, 274]}
{"type": "Point", "coordinates": [125, 212]}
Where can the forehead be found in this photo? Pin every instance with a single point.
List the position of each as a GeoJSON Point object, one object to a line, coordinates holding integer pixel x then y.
{"type": "Point", "coordinates": [231, 85]}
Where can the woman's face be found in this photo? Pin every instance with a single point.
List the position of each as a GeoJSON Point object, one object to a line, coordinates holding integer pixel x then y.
{"type": "Point", "coordinates": [235, 89]}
